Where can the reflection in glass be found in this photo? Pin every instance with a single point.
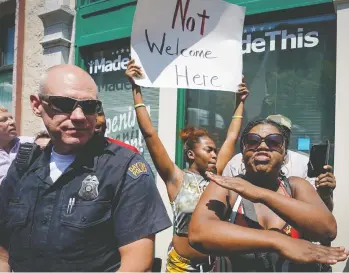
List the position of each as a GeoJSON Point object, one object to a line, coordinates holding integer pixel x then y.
{"type": "Point", "coordinates": [289, 67]}
{"type": "Point", "coordinates": [106, 63]}
{"type": "Point", "coordinates": [6, 89]}
{"type": "Point", "coordinates": [211, 110]}
{"type": "Point", "coordinates": [9, 46]}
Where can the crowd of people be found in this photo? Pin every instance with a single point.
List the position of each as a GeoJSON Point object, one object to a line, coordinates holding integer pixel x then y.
{"type": "Point", "coordinates": [75, 200]}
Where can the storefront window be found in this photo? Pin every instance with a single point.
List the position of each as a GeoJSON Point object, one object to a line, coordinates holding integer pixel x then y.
{"type": "Point", "coordinates": [6, 89]}
{"type": "Point", "coordinates": [289, 67]}
{"type": "Point", "coordinates": [7, 42]}
{"type": "Point", "coordinates": [106, 63]}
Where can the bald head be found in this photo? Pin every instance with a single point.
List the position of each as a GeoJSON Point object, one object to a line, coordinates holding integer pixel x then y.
{"type": "Point", "coordinates": [70, 120]}
{"type": "Point", "coordinates": [68, 80]}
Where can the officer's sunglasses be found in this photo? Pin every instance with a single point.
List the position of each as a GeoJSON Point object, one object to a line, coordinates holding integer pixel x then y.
{"type": "Point", "coordinates": [67, 105]}
{"type": "Point", "coordinates": [253, 141]}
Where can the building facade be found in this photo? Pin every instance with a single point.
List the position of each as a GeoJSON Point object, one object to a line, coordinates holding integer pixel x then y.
{"type": "Point", "coordinates": [295, 58]}
{"type": "Point", "coordinates": [36, 35]}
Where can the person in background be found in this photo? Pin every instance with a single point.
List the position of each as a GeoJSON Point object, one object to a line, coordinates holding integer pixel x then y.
{"type": "Point", "coordinates": [9, 141]}
{"type": "Point", "coordinates": [101, 127]}
{"type": "Point", "coordinates": [259, 220]}
{"type": "Point", "coordinates": [84, 204]}
{"type": "Point", "coordinates": [42, 139]}
{"type": "Point", "coordinates": [295, 164]}
{"type": "Point", "coordinates": [184, 187]}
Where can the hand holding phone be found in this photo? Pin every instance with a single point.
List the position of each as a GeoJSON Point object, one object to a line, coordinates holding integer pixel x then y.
{"type": "Point", "coordinates": [319, 156]}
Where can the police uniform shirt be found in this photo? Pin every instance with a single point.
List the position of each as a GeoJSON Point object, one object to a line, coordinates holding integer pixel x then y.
{"type": "Point", "coordinates": [105, 199]}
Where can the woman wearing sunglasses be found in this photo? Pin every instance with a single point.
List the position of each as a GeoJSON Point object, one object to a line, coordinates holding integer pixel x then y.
{"type": "Point", "coordinates": [184, 187]}
{"type": "Point", "coordinates": [258, 220]}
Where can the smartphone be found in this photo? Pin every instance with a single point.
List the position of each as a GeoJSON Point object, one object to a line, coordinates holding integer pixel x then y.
{"type": "Point", "coordinates": [319, 156]}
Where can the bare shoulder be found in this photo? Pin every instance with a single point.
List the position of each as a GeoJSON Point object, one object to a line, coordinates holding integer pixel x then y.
{"type": "Point", "coordinates": [300, 186]}
{"type": "Point", "coordinates": [297, 180]}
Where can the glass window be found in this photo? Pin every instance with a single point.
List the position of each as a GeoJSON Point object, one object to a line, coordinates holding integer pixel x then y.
{"type": "Point", "coordinates": [9, 46]}
{"type": "Point", "coordinates": [6, 89]}
{"type": "Point", "coordinates": [106, 63]}
{"type": "Point", "coordinates": [7, 40]}
{"type": "Point", "coordinates": [289, 67]}
{"type": "Point", "coordinates": [211, 110]}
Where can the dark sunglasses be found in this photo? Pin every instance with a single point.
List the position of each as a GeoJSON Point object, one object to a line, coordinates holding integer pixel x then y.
{"type": "Point", "coordinates": [62, 104]}
{"type": "Point", "coordinates": [253, 141]}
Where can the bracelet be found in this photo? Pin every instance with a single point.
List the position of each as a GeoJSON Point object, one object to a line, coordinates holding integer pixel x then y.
{"type": "Point", "coordinates": [238, 117]}
{"type": "Point", "coordinates": [139, 105]}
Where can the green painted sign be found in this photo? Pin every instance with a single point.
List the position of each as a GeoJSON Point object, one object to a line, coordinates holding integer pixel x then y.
{"type": "Point", "coordinates": [101, 21]}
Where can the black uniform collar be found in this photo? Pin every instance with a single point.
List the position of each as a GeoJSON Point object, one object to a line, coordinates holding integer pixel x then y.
{"type": "Point", "coordinates": [97, 146]}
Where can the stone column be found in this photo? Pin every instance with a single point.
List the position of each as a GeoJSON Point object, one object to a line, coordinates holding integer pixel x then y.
{"type": "Point", "coordinates": [167, 133]}
{"type": "Point", "coordinates": [57, 17]}
{"type": "Point", "coordinates": [341, 194]}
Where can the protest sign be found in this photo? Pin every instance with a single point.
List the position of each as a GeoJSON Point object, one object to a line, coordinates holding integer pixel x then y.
{"type": "Point", "coordinates": [188, 43]}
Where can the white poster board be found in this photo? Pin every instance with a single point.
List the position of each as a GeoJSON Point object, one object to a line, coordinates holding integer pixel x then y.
{"type": "Point", "coordinates": [188, 43]}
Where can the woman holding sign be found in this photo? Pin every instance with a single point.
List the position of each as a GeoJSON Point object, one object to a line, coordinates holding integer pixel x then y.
{"type": "Point", "coordinates": [184, 187]}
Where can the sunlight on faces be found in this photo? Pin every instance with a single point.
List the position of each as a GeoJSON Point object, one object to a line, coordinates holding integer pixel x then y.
{"type": "Point", "coordinates": [68, 129]}
{"type": "Point", "coordinates": [7, 127]}
{"type": "Point", "coordinates": [262, 159]}
{"type": "Point", "coordinates": [205, 155]}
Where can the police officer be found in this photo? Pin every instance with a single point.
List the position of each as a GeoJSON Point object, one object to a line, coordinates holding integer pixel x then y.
{"type": "Point", "coordinates": [85, 204]}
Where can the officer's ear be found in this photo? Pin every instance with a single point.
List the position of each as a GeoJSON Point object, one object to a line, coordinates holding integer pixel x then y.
{"type": "Point", "coordinates": [36, 105]}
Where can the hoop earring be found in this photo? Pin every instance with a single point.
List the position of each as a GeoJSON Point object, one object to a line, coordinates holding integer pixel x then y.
{"type": "Point", "coordinates": [281, 172]}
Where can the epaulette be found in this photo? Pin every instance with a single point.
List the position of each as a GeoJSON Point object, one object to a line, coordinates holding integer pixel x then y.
{"type": "Point", "coordinates": [123, 144]}
{"type": "Point", "coordinates": [27, 154]}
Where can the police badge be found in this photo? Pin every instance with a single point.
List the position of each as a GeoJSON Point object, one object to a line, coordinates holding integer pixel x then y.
{"type": "Point", "coordinates": [89, 188]}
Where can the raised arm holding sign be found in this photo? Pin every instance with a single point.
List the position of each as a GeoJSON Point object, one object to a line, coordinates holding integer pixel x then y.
{"type": "Point", "coordinates": [188, 44]}
{"type": "Point", "coordinates": [201, 155]}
